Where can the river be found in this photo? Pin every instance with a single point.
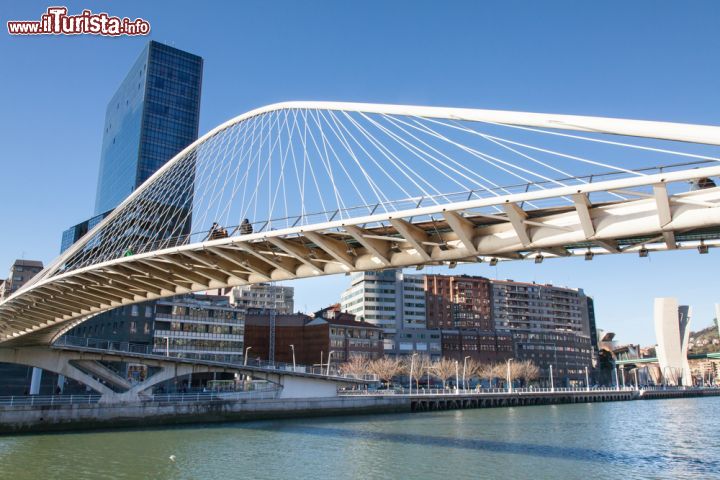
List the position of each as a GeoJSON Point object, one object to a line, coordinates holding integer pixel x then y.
{"type": "Point", "coordinates": [639, 439]}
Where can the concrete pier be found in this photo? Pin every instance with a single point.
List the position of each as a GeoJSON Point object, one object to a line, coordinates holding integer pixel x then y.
{"type": "Point", "coordinates": [424, 403]}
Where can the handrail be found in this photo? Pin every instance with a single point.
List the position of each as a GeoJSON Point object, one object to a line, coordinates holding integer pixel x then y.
{"type": "Point", "coordinates": [234, 360]}
{"type": "Point", "coordinates": [515, 391]}
{"type": "Point", "coordinates": [51, 400]}
{"type": "Point", "coordinates": [307, 218]}
{"type": "Point", "coordinates": [44, 400]}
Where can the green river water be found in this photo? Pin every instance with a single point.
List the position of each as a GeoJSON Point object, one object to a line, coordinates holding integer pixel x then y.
{"type": "Point", "coordinates": [666, 439]}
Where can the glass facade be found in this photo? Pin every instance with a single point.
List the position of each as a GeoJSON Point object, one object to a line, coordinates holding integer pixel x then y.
{"type": "Point", "coordinates": [153, 115]}
{"type": "Point", "coordinates": [74, 233]}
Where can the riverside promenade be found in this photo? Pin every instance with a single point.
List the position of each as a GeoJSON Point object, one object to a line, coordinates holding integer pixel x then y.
{"type": "Point", "coordinates": [64, 412]}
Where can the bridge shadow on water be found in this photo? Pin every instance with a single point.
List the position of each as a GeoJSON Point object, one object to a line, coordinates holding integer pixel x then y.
{"type": "Point", "coordinates": [670, 460]}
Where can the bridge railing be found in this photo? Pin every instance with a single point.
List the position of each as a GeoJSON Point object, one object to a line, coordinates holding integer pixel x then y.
{"type": "Point", "coordinates": [483, 391]}
{"type": "Point", "coordinates": [45, 400]}
{"type": "Point", "coordinates": [680, 387]}
{"type": "Point", "coordinates": [309, 218]}
{"type": "Point", "coordinates": [110, 242]}
{"type": "Point", "coordinates": [260, 394]}
{"type": "Point", "coordinates": [230, 359]}
{"type": "Point", "coordinates": [51, 400]}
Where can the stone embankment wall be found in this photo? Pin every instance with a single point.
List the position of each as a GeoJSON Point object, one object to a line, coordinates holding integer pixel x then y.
{"type": "Point", "coordinates": [26, 419]}
{"type": "Point", "coordinates": [71, 417]}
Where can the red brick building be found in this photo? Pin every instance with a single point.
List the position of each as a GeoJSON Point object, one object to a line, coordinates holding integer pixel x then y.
{"type": "Point", "coordinates": [289, 330]}
{"type": "Point", "coordinates": [312, 337]}
{"type": "Point", "coordinates": [458, 302]}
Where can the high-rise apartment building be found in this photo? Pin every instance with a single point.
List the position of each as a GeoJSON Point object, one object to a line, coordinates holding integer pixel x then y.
{"type": "Point", "coordinates": [198, 326]}
{"type": "Point", "coordinates": [192, 325]}
{"type": "Point", "coordinates": [488, 320]}
{"type": "Point", "coordinates": [395, 302]}
{"type": "Point", "coordinates": [20, 273]}
{"type": "Point", "coordinates": [550, 325]}
{"type": "Point", "coordinates": [460, 306]}
{"type": "Point", "coordinates": [538, 307]}
{"type": "Point", "coordinates": [264, 296]}
{"type": "Point", "coordinates": [458, 302]}
{"type": "Point", "coordinates": [388, 298]}
{"type": "Point", "coordinates": [15, 378]}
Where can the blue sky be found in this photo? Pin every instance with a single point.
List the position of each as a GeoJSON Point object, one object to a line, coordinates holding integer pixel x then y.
{"type": "Point", "coordinates": [643, 59]}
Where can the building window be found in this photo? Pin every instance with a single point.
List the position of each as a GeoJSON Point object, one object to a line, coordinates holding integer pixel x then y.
{"type": "Point", "coordinates": [135, 311]}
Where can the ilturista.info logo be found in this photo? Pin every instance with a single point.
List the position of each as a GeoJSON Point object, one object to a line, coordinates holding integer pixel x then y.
{"type": "Point", "coordinates": [56, 21]}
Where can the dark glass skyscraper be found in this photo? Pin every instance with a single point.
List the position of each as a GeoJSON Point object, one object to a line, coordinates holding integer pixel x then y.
{"type": "Point", "coordinates": [74, 233]}
{"type": "Point", "coordinates": [153, 115]}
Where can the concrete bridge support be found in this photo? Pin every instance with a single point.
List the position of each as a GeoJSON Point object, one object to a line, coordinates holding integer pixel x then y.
{"type": "Point", "coordinates": [53, 361]}
{"type": "Point", "coordinates": [35, 381]}
{"type": "Point", "coordinates": [87, 368]}
{"type": "Point", "coordinates": [300, 387]}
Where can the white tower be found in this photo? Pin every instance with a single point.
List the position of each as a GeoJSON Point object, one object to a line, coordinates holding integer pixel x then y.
{"type": "Point", "coordinates": [672, 332]}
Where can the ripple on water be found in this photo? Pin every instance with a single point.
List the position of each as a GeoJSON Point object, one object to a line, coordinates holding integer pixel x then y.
{"type": "Point", "coordinates": [650, 439]}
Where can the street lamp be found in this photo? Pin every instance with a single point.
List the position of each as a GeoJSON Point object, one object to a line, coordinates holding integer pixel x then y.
{"type": "Point", "coordinates": [246, 355]}
{"type": "Point", "coordinates": [509, 381]}
{"type": "Point", "coordinates": [464, 367]}
{"type": "Point", "coordinates": [412, 367]}
{"type": "Point", "coordinates": [293, 352]}
{"type": "Point", "coordinates": [457, 377]}
{"type": "Point", "coordinates": [329, 357]}
{"type": "Point", "coordinates": [587, 380]}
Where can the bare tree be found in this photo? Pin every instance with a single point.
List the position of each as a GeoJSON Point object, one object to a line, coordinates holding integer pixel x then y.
{"type": "Point", "coordinates": [419, 367]}
{"type": "Point", "coordinates": [472, 369]}
{"type": "Point", "coordinates": [386, 368]}
{"type": "Point", "coordinates": [443, 369]}
{"type": "Point", "coordinates": [528, 371]}
{"type": "Point", "coordinates": [357, 366]}
{"type": "Point", "coordinates": [486, 371]}
{"type": "Point", "coordinates": [499, 371]}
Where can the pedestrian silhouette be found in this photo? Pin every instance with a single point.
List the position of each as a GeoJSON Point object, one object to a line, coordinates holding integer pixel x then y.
{"type": "Point", "coordinates": [246, 227]}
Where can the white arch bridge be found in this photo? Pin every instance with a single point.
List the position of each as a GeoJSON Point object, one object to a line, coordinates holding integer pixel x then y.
{"type": "Point", "coordinates": [302, 189]}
